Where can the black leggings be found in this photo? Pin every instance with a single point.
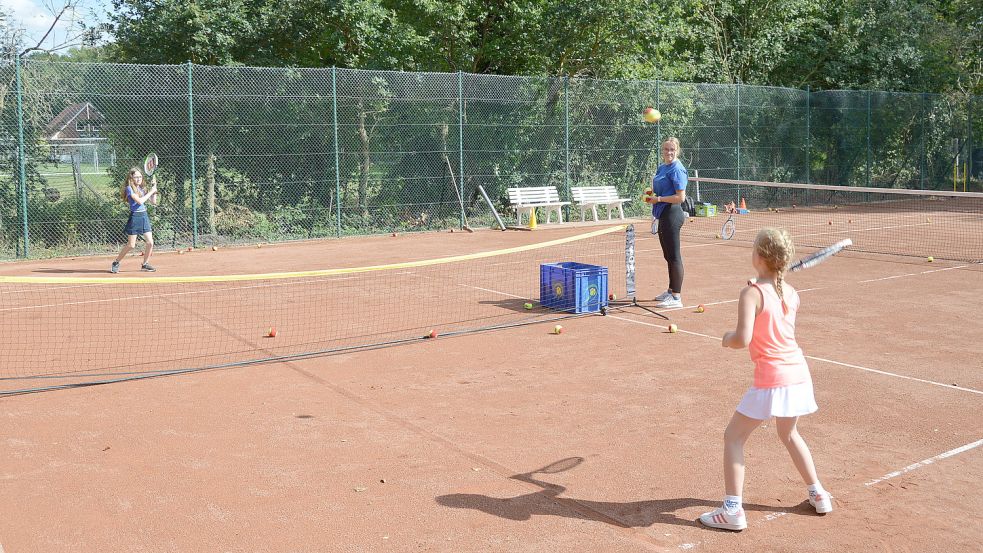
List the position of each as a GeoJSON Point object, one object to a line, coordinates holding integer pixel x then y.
{"type": "Point", "coordinates": [670, 222]}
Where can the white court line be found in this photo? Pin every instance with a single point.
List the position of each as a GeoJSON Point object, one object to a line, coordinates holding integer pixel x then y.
{"type": "Point", "coordinates": [486, 290]}
{"type": "Point", "coordinates": [875, 371]}
{"type": "Point", "coordinates": [915, 274]}
{"type": "Point", "coordinates": [926, 462]}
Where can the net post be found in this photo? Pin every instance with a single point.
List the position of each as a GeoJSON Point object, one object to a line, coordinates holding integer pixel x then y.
{"type": "Point", "coordinates": [21, 162]}
{"type": "Point", "coordinates": [337, 169]}
{"type": "Point", "coordinates": [191, 157]}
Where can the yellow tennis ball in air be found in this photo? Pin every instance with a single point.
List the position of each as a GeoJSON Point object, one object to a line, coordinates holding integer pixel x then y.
{"type": "Point", "coordinates": [931, 259]}
{"type": "Point", "coordinates": [673, 328]}
{"type": "Point", "coordinates": [651, 115]}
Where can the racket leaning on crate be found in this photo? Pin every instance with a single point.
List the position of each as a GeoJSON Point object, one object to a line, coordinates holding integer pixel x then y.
{"type": "Point", "coordinates": [815, 259]}
{"type": "Point", "coordinates": [150, 166]}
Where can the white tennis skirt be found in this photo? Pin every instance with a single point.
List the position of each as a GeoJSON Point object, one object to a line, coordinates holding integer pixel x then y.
{"type": "Point", "coordinates": [785, 401]}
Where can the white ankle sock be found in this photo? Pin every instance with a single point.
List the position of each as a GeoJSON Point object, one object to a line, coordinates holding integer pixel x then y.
{"type": "Point", "coordinates": [732, 504]}
{"type": "Point", "coordinates": [815, 489]}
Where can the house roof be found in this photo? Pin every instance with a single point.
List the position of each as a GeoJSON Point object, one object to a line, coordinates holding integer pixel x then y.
{"type": "Point", "coordinates": [62, 127]}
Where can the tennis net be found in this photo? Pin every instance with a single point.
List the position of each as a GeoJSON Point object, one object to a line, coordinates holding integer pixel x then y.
{"type": "Point", "coordinates": [61, 332]}
{"type": "Point", "coordinates": [943, 225]}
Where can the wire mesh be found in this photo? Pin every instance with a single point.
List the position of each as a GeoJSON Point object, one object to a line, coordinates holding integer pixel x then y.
{"type": "Point", "coordinates": [254, 154]}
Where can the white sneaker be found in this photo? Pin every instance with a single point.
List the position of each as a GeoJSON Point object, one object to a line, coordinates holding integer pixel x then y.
{"type": "Point", "coordinates": [822, 501]}
{"type": "Point", "coordinates": [671, 303]}
{"type": "Point", "coordinates": [663, 296]}
{"type": "Point", "coordinates": [719, 518]}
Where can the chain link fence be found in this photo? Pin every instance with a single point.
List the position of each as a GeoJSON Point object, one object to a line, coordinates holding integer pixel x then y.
{"type": "Point", "coordinates": [270, 154]}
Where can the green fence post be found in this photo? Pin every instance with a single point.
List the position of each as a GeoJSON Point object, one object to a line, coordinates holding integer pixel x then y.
{"type": "Point", "coordinates": [337, 157]}
{"type": "Point", "coordinates": [808, 132]}
{"type": "Point", "coordinates": [191, 156]}
{"type": "Point", "coordinates": [21, 162]}
{"type": "Point", "coordinates": [868, 138]}
{"type": "Point", "coordinates": [738, 140]}
{"type": "Point", "coordinates": [566, 139]}
{"type": "Point", "coordinates": [460, 139]}
{"type": "Point", "coordinates": [658, 124]}
{"type": "Point", "coordinates": [921, 166]}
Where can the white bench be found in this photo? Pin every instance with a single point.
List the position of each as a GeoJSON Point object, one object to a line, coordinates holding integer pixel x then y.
{"type": "Point", "coordinates": [525, 200]}
{"type": "Point", "coordinates": [593, 196]}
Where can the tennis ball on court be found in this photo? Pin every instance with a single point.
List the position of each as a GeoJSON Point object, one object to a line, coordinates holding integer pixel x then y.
{"type": "Point", "coordinates": [928, 219]}
{"type": "Point", "coordinates": [271, 333]}
{"type": "Point", "coordinates": [651, 115]}
{"type": "Point", "coordinates": [433, 334]}
{"type": "Point", "coordinates": [673, 328]}
{"type": "Point", "coordinates": [612, 296]}
{"type": "Point", "coordinates": [179, 252]}
{"type": "Point", "coordinates": [557, 329]}
{"type": "Point", "coordinates": [214, 248]}
{"type": "Point", "coordinates": [718, 237]}
{"type": "Point", "coordinates": [931, 259]}
{"type": "Point", "coordinates": [527, 305]}
{"type": "Point", "coordinates": [700, 309]}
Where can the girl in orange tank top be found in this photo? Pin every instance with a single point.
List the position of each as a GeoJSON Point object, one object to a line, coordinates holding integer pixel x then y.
{"type": "Point", "coordinates": [782, 384]}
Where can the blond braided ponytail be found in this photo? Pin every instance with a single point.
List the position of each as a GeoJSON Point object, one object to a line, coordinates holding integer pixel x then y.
{"type": "Point", "coordinates": [775, 247]}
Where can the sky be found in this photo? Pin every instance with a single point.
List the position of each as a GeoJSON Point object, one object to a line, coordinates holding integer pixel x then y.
{"type": "Point", "coordinates": [35, 16]}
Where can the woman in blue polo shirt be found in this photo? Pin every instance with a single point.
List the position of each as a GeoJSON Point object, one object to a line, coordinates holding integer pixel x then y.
{"type": "Point", "coordinates": [669, 189]}
{"type": "Point", "coordinates": [139, 222]}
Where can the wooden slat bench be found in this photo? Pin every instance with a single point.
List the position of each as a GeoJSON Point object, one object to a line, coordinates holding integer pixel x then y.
{"type": "Point", "coordinates": [526, 199]}
{"type": "Point", "coordinates": [593, 196]}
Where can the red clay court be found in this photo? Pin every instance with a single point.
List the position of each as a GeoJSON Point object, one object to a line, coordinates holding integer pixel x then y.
{"type": "Point", "coordinates": [607, 437]}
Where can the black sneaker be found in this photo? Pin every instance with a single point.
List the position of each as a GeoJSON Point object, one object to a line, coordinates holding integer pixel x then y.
{"type": "Point", "coordinates": [148, 267]}
{"type": "Point", "coordinates": [114, 268]}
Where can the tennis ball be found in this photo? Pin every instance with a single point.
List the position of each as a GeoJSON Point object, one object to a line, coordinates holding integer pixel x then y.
{"type": "Point", "coordinates": [214, 248]}
{"type": "Point", "coordinates": [700, 309]}
{"type": "Point", "coordinates": [179, 252]}
{"type": "Point", "coordinates": [928, 220]}
{"type": "Point", "coordinates": [557, 329]}
{"type": "Point", "coordinates": [718, 237]}
{"type": "Point", "coordinates": [651, 115]}
{"type": "Point", "coordinates": [433, 334]}
{"type": "Point", "coordinates": [931, 259]}
{"type": "Point", "coordinates": [612, 296]}
{"type": "Point", "coordinates": [673, 328]}
{"type": "Point", "coordinates": [271, 333]}
{"type": "Point", "coordinates": [528, 305]}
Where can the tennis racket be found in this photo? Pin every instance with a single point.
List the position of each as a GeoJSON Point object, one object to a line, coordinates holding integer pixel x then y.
{"type": "Point", "coordinates": [150, 165]}
{"type": "Point", "coordinates": [730, 227]}
{"type": "Point", "coordinates": [820, 256]}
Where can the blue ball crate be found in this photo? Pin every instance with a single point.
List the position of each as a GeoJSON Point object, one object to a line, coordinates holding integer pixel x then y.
{"type": "Point", "coordinates": [574, 287]}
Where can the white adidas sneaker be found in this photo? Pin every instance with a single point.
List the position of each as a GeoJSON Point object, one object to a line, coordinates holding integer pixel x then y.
{"type": "Point", "coordinates": [719, 518]}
